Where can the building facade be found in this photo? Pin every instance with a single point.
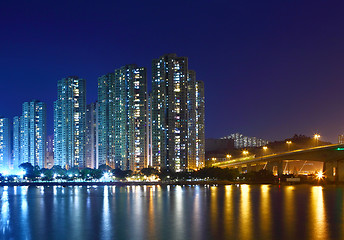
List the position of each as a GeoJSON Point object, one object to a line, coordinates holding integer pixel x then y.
{"type": "Point", "coordinates": [130, 107]}
{"type": "Point", "coordinates": [49, 155]}
{"type": "Point", "coordinates": [32, 133]}
{"type": "Point", "coordinates": [92, 135]}
{"type": "Point", "coordinates": [106, 120]}
{"type": "Point", "coordinates": [177, 115]}
{"type": "Point", "coordinates": [16, 142]}
{"type": "Point", "coordinates": [241, 141]}
{"type": "Point", "coordinates": [5, 143]}
{"type": "Point", "coordinates": [70, 123]}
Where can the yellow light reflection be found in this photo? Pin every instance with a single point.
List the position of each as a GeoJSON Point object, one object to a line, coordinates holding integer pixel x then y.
{"type": "Point", "coordinates": [228, 218]}
{"type": "Point", "coordinates": [289, 211]}
{"type": "Point", "coordinates": [265, 211]}
{"type": "Point", "coordinates": [318, 221]}
{"type": "Point", "coordinates": [245, 219]}
{"type": "Point", "coordinates": [213, 210]}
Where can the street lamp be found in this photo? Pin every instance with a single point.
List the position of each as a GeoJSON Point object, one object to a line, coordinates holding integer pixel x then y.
{"type": "Point", "coordinates": [288, 143]}
{"type": "Point", "coordinates": [316, 137]}
{"type": "Point", "coordinates": [244, 152]}
{"type": "Point", "coordinates": [228, 156]}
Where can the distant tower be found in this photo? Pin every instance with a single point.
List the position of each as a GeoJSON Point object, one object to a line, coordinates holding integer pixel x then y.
{"type": "Point", "coordinates": [130, 118]}
{"type": "Point", "coordinates": [5, 143]}
{"type": "Point", "coordinates": [70, 122]}
{"type": "Point", "coordinates": [33, 133]}
{"type": "Point", "coordinates": [176, 129]}
{"type": "Point", "coordinates": [91, 135]}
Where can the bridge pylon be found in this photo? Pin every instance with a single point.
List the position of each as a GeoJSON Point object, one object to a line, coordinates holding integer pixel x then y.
{"type": "Point", "coordinates": [334, 170]}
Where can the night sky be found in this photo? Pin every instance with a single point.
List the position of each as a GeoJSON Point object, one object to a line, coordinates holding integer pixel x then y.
{"type": "Point", "coordinates": [271, 69]}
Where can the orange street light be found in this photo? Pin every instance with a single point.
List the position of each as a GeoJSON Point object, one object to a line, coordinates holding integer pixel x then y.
{"type": "Point", "coordinates": [316, 137]}
{"type": "Point", "coordinates": [288, 143]}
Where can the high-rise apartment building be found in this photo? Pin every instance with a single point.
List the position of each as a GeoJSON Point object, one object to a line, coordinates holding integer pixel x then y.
{"type": "Point", "coordinates": [122, 118]}
{"type": "Point", "coordinates": [49, 155]}
{"type": "Point", "coordinates": [177, 115]}
{"type": "Point", "coordinates": [130, 117]}
{"type": "Point", "coordinates": [241, 141]}
{"type": "Point", "coordinates": [92, 135]}
{"type": "Point", "coordinates": [196, 138]}
{"type": "Point", "coordinates": [106, 119]}
{"type": "Point", "coordinates": [5, 143]}
{"type": "Point", "coordinates": [16, 142]}
{"type": "Point", "coordinates": [200, 125]}
{"type": "Point", "coordinates": [32, 133]}
{"type": "Point", "coordinates": [70, 122]}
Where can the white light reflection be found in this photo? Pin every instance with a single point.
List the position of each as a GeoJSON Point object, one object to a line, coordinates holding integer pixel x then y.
{"type": "Point", "coordinates": [106, 221]}
{"type": "Point", "coordinates": [197, 214]}
{"type": "Point", "coordinates": [5, 214]}
{"type": "Point", "coordinates": [179, 215]}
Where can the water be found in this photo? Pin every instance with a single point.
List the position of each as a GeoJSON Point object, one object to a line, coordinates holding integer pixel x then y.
{"type": "Point", "coordinates": [172, 212]}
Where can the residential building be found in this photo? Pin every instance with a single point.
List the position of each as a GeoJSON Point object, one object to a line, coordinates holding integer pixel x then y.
{"type": "Point", "coordinates": [106, 120]}
{"type": "Point", "coordinates": [130, 90]}
{"type": "Point", "coordinates": [5, 143]}
{"type": "Point", "coordinates": [92, 135]}
{"type": "Point", "coordinates": [70, 122]}
{"type": "Point", "coordinates": [241, 141]}
{"type": "Point", "coordinates": [16, 142]}
{"type": "Point", "coordinates": [177, 115]}
{"type": "Point", "coordinates": [32, 133]}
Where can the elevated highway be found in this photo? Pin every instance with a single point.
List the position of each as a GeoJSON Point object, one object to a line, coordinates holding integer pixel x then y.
{"type": "Point", "coordinates": [331, 155]}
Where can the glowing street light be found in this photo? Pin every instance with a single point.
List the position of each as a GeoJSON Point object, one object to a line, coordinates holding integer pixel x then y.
{"type": "Point", "coordinates": [228, 156]}
{"type": "Point", "coordinates": [288, 143]}
{"type": "Point", "coordinates": [320, 175]}
{"type": "Point", "coordinates": [316, 137]}
{"type": "Point", "coordinates": [265, 148]}
{"type": "Point", "coordinates": [245, 152]}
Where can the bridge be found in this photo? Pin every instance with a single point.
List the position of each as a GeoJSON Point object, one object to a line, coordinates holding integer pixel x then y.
{"type": "Point", "coordinates": [331, 155]}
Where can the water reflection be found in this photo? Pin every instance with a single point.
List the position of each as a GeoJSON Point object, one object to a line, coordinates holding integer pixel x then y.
{"type": "Point", "coordinates": [289, 212]}
{"type": "Point", "coordinates": [5, 212]}
{"type": "Point", "coordinates": [106, 221]}
{"type": "Point", "coordinates": [245, 216]}
{"type": "Point", "coordinates": [229, 215]}
{"type": "Point", "coordinates": [265, 211]}
{"type": "Point", "coordinates": [171, 212]}
{"type": "Point", "coordinates": [318, 221]}
{"type": "Point", "coordinates": [214, 211]}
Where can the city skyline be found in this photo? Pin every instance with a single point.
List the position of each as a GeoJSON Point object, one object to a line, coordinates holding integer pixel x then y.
{"type": "Point", "coordinates": [264, 62]}
{"type": "Point", "coordinates": [127, 128]}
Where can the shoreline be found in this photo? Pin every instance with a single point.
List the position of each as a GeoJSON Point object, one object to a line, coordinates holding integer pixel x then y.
{"type": "Point", "coordinates": [124, 183]}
